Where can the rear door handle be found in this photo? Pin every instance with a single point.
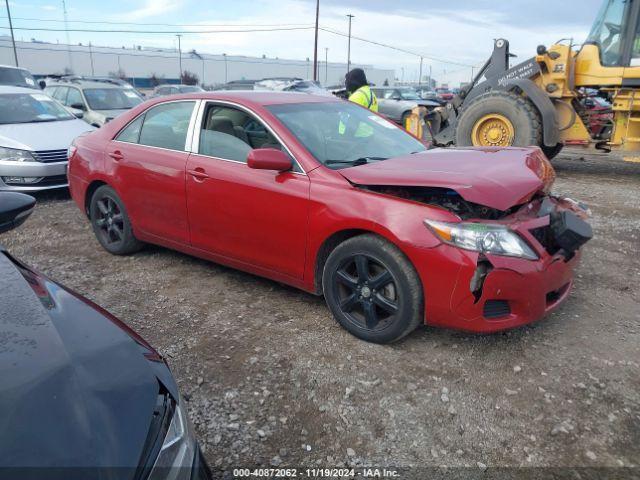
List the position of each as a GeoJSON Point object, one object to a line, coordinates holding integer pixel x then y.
{"type": "Point", "coordinates": [116, 155]}
{"type": "Point", "coordinates": [199, 174]}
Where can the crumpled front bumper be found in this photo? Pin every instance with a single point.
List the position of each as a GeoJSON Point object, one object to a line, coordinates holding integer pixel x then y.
{"type": "Point", "coordinates": [513, 291]}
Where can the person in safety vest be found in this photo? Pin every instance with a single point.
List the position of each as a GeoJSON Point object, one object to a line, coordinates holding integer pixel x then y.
{"type": "Point", "coordinates": [359, 90]}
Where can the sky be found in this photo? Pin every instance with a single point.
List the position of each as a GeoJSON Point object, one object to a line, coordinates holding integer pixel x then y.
{"type": "Point", "coordinates": [458, 31]}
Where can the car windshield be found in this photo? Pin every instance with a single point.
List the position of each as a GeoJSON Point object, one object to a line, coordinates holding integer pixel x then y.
{"type": "Point", "coordinates": [190, 89]}
{"type": "Point", "coordinates": [341, 134]}
{"type": "Point", "coordinates": [30, 108]}
{"type": "Point", "coordinates": [111, 98]}
{"type": "Point", "coordinates": [16, 77]}
{"type": "Point", "coordinates": [409, 94]}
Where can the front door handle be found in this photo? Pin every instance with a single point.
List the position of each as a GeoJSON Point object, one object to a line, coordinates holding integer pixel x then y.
{"type": "Point", "coordinates": [116, 155]}
{"type": "Point", "coordinates": [199, 174]}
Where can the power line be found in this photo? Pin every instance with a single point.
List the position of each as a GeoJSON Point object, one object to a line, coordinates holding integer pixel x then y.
{"type": "Point", "coordinates": [106, 22]}
{"type": "Point", "coordinates": [262, 28]}
{"type": "Point", "coordinates": [392, 47]}
{"type": "Point", "coordinates": [172, 32]}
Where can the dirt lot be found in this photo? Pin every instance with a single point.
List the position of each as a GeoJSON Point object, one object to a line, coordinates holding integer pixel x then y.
{"type": "Point", "coordinates": [271, 379]}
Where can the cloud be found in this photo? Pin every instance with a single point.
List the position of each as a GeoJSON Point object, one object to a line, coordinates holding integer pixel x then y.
{"type": "Point", "coordinates": [151, 8]}
{"type": "Point", "coordinates": [49, 8]}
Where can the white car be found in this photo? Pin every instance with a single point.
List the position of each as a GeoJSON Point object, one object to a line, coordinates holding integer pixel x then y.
{"type": "Point", "coordinates": [35, 133]}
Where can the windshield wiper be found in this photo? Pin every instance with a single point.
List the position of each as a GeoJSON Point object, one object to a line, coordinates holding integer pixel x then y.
{"type": "Point", "coordinates": [357, 161]}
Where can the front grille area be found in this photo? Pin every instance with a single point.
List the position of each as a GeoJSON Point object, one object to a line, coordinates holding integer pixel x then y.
{"type": "Point", "coordinates": [47, 156]}
{"type": "Point", "coordinates": [496, 309]}
{"type": "Point", "coordinates": [544, 235]}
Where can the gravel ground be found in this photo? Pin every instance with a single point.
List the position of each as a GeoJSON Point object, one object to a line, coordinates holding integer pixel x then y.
{"type": "Point", "coordinates": [271, 379]}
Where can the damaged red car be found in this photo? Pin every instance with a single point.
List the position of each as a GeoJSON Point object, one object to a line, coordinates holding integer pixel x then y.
{"type": "Point", "coordinates": [329, 197]}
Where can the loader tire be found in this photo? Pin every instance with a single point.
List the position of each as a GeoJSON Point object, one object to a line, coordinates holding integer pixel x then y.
{"type": "Point", "coordinates": [499, 119]}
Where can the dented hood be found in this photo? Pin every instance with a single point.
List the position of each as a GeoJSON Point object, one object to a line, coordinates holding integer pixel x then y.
{"type": "Point", "coordinates": [494, 177]}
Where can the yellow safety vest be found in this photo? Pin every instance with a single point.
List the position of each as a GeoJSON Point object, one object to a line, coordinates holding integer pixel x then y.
{"type": "Point", "coordinates": [365, 97]}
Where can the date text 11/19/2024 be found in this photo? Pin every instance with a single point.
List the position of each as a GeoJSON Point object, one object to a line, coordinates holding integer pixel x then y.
{"type": "Point", "coordinates": [315, 473]}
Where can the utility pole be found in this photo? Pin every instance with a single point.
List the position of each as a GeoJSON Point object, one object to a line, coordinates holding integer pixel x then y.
{"type": "Point", "coordinates": [429, 77]}
{"type": "Point", "coordinates": [326, 65]}
{"type": "Point", "coordinates": [349, 45]}
{"type": "Point", "coordinates": [315, 45]}
{"type": "Point", "coordinates": [13, 39]}
{"type": "Point", "coordinates": [420, 75]}
{"type": "Point", "coordinates": [180, 57]}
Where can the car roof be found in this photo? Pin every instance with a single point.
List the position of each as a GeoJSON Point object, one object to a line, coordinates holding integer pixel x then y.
{"type": "Point", "coordinates": [83, 84]}
{"type": "Point", "coordinates": [253, 97]}
{"type": "Point", "coordinates": [11, 89]}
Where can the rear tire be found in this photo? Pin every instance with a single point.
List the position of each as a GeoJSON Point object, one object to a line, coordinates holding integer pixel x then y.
{"type": "Point", "coordinates": [520, 112]}
{"type": "Point", "coordinates": [111, 224]}
{"type": "Point", "coordinates": [372, 289]}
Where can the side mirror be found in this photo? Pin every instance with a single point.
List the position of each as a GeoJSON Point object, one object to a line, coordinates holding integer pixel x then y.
{"type": "Point", "coordinates": [269, 159]}
{"type": "Point", "coordinates": [14, 209]}
{"type": "Point", "coordinates": [42, 84]}
{"type": "Point", "coordinates": [76, 112]}
{"type": "Point", "coordinates": [78, 106]}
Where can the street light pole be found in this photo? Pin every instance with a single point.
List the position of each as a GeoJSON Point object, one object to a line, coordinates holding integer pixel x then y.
{"type": "Point", "coordinates": [13, 39]}
{"type": "Point", "coordinates": [315, 45]}
{"type": "Point", "coordinates": [349, 45]}
{"type": "Point", "coordinates": [420, 76]}
{"type": "Point", "coordinates": [91, 58]}
{"type": "Point", "coordinates": [225, 67]}
{"type": "Point", "coordinates": [326, 65]}
{"type": "Point", "coordinates": [180, 57]}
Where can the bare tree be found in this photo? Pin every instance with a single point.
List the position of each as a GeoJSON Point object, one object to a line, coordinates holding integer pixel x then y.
{"type": "Point", "coordinates": [189, 78]}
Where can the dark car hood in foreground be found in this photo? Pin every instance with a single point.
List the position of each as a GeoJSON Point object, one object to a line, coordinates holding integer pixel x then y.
{"type": "Point", "coordinates": [76, 389]}
{"type": "Point", "coordinates": [496, 178]}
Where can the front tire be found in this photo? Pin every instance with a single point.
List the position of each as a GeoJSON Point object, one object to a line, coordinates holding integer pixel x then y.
{"type": "Point", "coordinates": [372, 289]}
{"type": "Point", "coordinates": [551, 152]}
{"type": "Point", "coordinates": [111, 224]}
{"type": "Point", "coordinates": [499, 119]}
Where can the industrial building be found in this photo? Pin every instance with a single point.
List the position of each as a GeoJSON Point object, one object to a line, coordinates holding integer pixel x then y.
{"type": "Point", "coordinates": [140, 64]}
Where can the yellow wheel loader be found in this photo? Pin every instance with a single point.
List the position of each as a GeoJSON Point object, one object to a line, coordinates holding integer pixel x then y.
{"type": "Point", "coordinates": [544, 100]}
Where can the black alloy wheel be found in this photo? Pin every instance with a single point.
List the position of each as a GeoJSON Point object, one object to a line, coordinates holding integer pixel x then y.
{"type": "Point", "coordinates": [372, 289]}
{"type": "Point", "coordinates": [111, 223]}
{"type": "Point", "coordinates": [366, 292]}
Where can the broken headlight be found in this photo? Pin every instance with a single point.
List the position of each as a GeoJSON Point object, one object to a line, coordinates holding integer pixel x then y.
{"type": "Point", "coordinates": [179, 448]}
{"type": "Point", "coordinates": [483, 238]}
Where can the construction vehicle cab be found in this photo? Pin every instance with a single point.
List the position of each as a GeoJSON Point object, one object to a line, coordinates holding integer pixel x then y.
{"type": "Point", "coordinates": [541, 101]}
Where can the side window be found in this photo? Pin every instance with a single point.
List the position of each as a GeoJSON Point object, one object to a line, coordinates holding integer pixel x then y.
{"type": "Point", "coordinates": [61, 95]}
{"type": "Point", "coordinates": [74, 97]}
{"type": "Point", "coordinates": [389, 93]}
{"type": "Point", "coordinates": [166, 125]}
{"type": "Point", "coordinates": [230, 133]}
{"type": "Point", "coordinates": [51, 91]}
{"type": "Point", "coordinates": [131, 133]}
{"type": "Point", "coordinates": [162, 90]}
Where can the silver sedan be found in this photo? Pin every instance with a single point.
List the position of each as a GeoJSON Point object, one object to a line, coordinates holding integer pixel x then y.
{"type": "Point", "coordinates": [35, 134]}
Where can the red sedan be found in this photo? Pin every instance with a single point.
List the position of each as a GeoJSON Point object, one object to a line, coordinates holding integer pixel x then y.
{"type": "Point", "coordinates": [326, 196]}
